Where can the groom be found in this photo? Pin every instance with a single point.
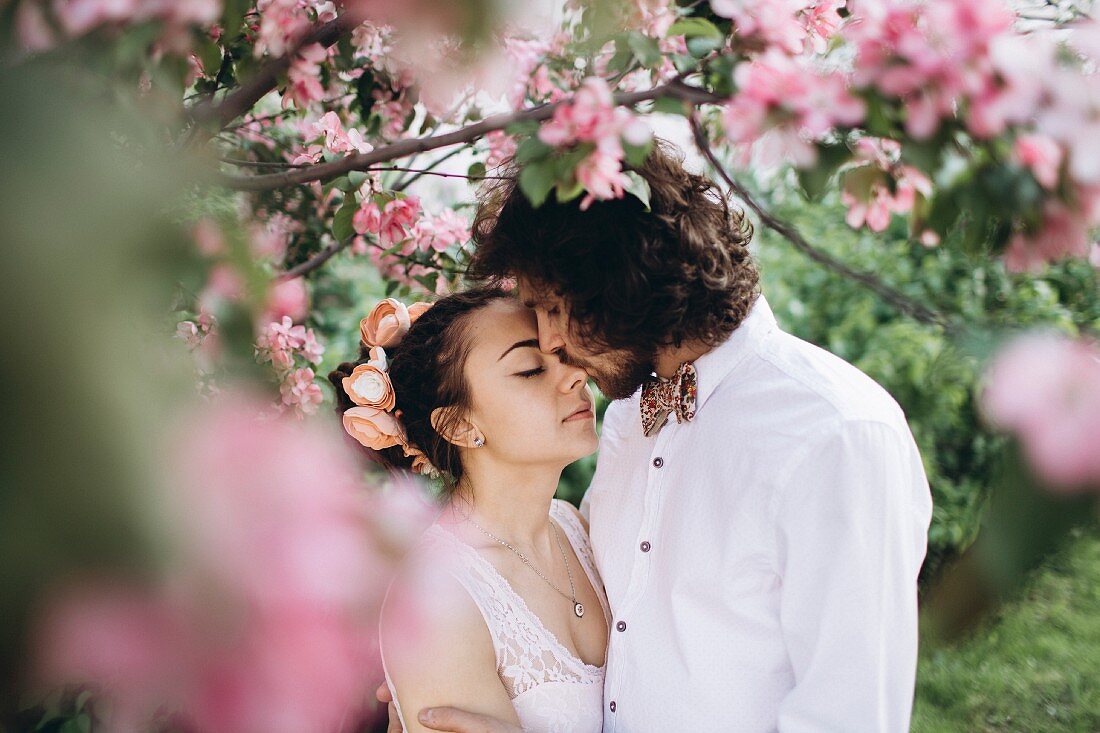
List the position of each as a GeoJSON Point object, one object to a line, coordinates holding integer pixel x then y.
{"type": "Point", "coordinates": [759, 512]}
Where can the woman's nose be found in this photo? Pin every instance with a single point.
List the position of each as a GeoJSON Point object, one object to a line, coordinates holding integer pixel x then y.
{"type": "Point", "coordinates": [572, 377]}
{"type": "Point", "coordinates": [550, 339]}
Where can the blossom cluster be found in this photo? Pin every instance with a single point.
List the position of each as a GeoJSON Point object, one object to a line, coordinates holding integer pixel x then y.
{"type": "Point", "coordinates": [282, 343]}
{"type": "Point", "coordinates": [591, 116]}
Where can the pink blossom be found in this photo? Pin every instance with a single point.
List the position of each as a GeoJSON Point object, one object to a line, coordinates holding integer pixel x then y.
{"type": "Point", "coordinates": [502, 147]}
{"type": "Point", "coordinates": [188, 332]}
{"type": "Point", "coordinates": [396, 219]}
{"type": "Point", "coordinates": [1042, 155]}
{"type": "Point", "coordinates": [269, 239]}
{"type": "Point", "coordinates": [337, 139]}
{"type": "Point", "coordinates": [367, 218]}
{"type": "Point", "coordinates": [588, 117]}
{"type": "Point", "coordinates": [223, 284]}
{"type": "Point", "coordinates": [282, 24]}
{"type": "Point", "coordinates": [602, 177]}
{"type": "Point", "coordinates": [1046, 389]}
{"type": "Point", "coordinates": [298, 389]}
{"type": "Point", "coordinates": [304, 75]}
{"type": "Point", "coordinates": [34, 32]}
{"type": "Point", "coordinates": [441, 232]}
{"type": "Point", "coordinates": [1062, 233]}
{"type": "Point", "coordinates": [785, 104]}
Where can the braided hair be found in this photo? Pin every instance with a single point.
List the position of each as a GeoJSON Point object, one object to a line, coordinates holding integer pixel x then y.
{"type": "Point", "coordinates": [426, 370]}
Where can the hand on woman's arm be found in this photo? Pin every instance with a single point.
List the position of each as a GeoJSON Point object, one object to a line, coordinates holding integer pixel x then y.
{"type": "Point", "coordinates": [438, 653]}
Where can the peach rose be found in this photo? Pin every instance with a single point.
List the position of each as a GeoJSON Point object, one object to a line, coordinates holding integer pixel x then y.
{"type": "Point", "coordinates": [378, 358]}
{"type": "Point", "coordinates": [386, 324]}
{"type": "Point", "coordinates": [369, 386]}
{"type": "Point", "coordinates": [417, 309]}
{"type": "Point", "coordinates": [376, 429]}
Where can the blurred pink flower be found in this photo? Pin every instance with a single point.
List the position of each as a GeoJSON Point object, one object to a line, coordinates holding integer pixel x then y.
{"type": "Point", "coordinates": [441, 232]}
{"type": "Point", "coordinates": [264, 619]}
{"type": "Point", "coordinates": [304, 74]}
{"type": "Point", "coordinates": [776, 23]}
{"type": "Point", "coordinates": [337, 139]}
{"type": "Point", "coordinates": [502, 147]}
{"type": "Point", "coordinates": [1046, 389]}
{"type": "Point", "coordinates": [785, 104]}
{"type": "Point", "coordinates": [1063, 233]}
{"type": "Point", "coordinates": [1041, 155]}
{"type": "Point", "coordinates": [288, 298]}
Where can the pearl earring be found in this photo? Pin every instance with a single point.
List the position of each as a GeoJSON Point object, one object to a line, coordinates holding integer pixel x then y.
{"type": "Point", "coordinates": [479, 441]}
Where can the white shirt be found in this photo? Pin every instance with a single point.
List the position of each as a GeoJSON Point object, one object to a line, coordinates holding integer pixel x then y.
{"type": "Point", "coordinates": [761, 561]}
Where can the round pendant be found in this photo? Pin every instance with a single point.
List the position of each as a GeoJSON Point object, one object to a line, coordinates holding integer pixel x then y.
{"type": "Point", "coordinates": [578, 609]}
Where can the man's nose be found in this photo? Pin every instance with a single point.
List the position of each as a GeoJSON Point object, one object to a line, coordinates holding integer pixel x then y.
{"type": "Point", "coordinates": [550, 340]}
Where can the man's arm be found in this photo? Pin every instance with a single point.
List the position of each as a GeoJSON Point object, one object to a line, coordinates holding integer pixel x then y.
{"type": "Point", "coordinates": [440, 654]}
{"type": "Point", "coordinates": [853, 524]}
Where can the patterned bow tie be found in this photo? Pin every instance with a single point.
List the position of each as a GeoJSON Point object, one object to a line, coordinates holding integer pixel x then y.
{"type": "Point", "coordinates": [675, 395]}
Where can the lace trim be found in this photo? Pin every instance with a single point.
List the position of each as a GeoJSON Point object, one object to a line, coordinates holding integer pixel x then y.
{"type": "Point", "coordinates": [528, 654]}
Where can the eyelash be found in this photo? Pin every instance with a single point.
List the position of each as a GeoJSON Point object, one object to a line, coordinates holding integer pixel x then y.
{"type": "Point", "coordinates": [531, 373]}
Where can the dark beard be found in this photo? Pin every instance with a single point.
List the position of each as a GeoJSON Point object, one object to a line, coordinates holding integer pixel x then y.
{"type": "Point", "coordinates": [632, 371]}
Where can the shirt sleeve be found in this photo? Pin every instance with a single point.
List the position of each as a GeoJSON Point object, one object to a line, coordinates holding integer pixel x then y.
{"type": "Point", "coordinates": [852, 536]}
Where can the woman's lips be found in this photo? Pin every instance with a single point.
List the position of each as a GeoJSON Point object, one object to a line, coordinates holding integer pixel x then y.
{"type": "Point", "coordinates": [584, 414]}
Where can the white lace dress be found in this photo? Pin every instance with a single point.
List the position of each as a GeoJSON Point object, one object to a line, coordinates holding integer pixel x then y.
{"type": "Point", "coordinates": [551, 689]}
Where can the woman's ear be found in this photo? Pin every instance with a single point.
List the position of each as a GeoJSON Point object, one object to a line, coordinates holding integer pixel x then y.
{"type": "Point", "coordinates": [456, 429]}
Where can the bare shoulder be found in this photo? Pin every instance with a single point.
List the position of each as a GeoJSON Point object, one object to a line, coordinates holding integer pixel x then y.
{"type": "Point", "coordinates": [436, 646]}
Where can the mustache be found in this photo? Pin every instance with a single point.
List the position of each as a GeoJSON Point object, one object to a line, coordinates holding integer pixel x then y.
{"type": "Point", "coordinates": [569, 360]}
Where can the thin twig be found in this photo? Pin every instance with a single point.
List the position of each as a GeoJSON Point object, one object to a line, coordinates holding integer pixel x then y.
{"type": "Point", "coordinates": [676, 89]}
{"type": "Point", "coordinates": [894, 297]}
{"type": "Point", "coordinates": [315, 261]}
{"type": "Point", "coordinates": [409, 180]}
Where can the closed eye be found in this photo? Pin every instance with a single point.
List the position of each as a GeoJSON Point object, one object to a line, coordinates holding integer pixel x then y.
{"type": "Point", "coordinates": [531, 372]}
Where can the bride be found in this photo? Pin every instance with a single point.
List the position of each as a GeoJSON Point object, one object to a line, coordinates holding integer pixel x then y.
{"type": "Point", "coordinates": [499, 609]}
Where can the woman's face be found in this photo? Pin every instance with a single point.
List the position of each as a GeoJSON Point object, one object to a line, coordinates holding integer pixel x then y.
{"type": "Point", "coordinates": [531, 408]}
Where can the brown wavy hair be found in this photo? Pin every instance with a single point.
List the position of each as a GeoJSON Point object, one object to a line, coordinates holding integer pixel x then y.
{"type": "Point", "coordinates": [427, 371]}
{"type": "Point", "coordinates": [631, 278]}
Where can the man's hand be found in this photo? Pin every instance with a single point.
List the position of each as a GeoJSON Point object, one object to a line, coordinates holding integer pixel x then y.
{"type": "Point", "coordinates": [460, 721]}
{"type": "Point", "coordinates": [383, 695]}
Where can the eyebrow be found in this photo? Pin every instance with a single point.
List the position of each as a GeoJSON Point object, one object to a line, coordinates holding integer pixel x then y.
{"type": "Point", "coordinates": [532, 343]}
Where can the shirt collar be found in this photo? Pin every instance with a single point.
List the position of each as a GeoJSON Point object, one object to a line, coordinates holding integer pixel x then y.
{"type": "Point", "coordinates": [713, 366]}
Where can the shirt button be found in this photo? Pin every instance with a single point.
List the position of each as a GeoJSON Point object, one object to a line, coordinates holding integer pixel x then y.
{"type": "Point", "coordinates": [658, 462]}
{"type": "Point", "coordinates": [612, 706]}
{"type": "Point", "coordinates": [646, 546]}
{"type": "Point", "coordinates": [621, 626]}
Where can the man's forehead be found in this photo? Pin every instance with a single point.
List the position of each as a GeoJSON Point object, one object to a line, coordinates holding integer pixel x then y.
{"type": "Point", "coordinates": [533, 294]}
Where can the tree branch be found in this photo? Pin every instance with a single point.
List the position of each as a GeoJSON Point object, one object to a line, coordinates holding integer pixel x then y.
{"type": "Point", "coordinates": [315, 261]}
{"type": "Point", "coordinates": [896, 298]}
{"type": "Point", "coordinates": [247, 94]}
{"type": "Point", "coordinates": [675, 89]}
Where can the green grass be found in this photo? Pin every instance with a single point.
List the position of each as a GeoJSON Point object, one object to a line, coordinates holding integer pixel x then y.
{"type": "Point", "coordinates": [1034, 667]}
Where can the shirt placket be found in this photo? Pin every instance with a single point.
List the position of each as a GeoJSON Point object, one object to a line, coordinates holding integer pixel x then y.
{"type": "Point", "coordinates": [643, 550]}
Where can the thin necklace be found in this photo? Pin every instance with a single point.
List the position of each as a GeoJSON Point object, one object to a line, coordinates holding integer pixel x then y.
{"type": "Point", "coordinates": [578, 607]}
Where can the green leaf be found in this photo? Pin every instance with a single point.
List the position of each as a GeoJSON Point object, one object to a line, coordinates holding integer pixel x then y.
{"type": "Point", "coordinates": [701, 46]}
{"type": "Point", "coordinates": [638, 187]}
{"type": "Point", "coordinates": [523, 128]}
{"type": "Point", "coordinates": [391, 286]}
{"type": "Point", "coordinates": [531, 150]}
{"type": "Point", "coordinates": [341, 222]}
{"type": "Point", "coordinates": [636, 154]}
{"type": "Point", "coordinates": [671, 106]}
{"type": "Point", "coordinates": [815, 180]}
{"type": "Point", "coordinates": [695, 28]}
{"type": "Point", "coordinates": [535, 181]}
{"type": "Point", "coordinates": [356, 179]}
{"type": "Point", "coordinates": [645, 49]}
{"type": "Point", "coordinates": [565, 193]}
{"type": "Point", "coordinates": [476, 171]}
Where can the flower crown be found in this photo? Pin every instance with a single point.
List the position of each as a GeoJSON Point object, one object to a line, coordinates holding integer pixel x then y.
{"type": "Point", "coordinates": [373, 421]}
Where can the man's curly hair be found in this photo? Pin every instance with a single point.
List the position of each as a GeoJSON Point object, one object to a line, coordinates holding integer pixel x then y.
{"type": "Point", "coordinates": [630, 278]}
